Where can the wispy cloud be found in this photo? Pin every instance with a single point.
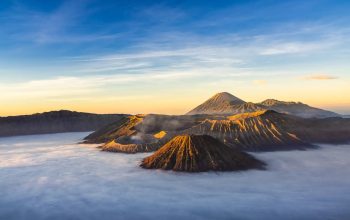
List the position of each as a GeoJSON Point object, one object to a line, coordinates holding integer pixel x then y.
{"type": "Point", "coordinates": [160, 60]}
{"type": "Point", "coordinates": [291, 48]}
{"type": "Point", "coordinates": [181, 51]}
{"type": "Point", "coordinates": [259, 82]}
{"type": "Point", "coordinates": [319, 77]}
{"type": "Point", "coordinates": [57, 26]}
{"type": "Point", "coordinates": [84, 86]}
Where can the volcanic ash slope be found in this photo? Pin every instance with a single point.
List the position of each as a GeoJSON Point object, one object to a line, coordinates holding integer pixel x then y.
{"type": "Point", "coordinates": [199, 153]}
{"type": "Point", "coordinates": [257, 131]}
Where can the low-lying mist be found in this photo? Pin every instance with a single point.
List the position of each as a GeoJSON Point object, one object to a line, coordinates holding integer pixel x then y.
{"type": "Point", "coordinates": [50, 177]}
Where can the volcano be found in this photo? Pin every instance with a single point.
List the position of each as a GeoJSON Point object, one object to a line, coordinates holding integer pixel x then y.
{"type": "Point", "coordinates": [264, 130]}
{"type": "Point", "coordinates": [257, 131]}
{"type": "Point", "coordinates": [131, 128]}
{"type": "Point", "coordinates": [223, 103]}
{"type": "Point", "coordinates": [124, 127]}
{"type": "Point", "coordinates": [226, 104]}
{"type": "Point", "coordinates": [243, 125]}
{"type": "Point", "coordinates": [199, 153]}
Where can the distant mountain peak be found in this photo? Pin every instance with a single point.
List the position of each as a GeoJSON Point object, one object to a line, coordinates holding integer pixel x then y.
{"type": "Point", "coordinates": [226, 97]}
{"type": "Point", "coordinates": [220, 103]}
{"type": "Point", "coordinates": [224, 103]}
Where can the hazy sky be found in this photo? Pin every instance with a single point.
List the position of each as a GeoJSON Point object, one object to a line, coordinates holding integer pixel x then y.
{"type": "Point", "coordinates": [169, 56]}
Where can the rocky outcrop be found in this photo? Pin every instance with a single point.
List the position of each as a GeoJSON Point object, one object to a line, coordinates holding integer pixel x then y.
{"type": "Point", "coordinates": [114, 146]}
{"type": "Point", "coordinates": [55, 122]}
{"type": "Point", "coordinates": [160, 134]}
{"type": "Point", "coordinates": [138, 142]}
{"type": "Point", "coordinates": [198, 153]}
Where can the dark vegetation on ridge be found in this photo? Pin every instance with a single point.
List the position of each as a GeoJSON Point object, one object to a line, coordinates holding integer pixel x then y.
{"type": "Point", "coordinates": [55, 122]}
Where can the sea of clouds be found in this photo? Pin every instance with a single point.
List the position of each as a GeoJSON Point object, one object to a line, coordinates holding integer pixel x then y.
{"type": "Point", "coordinates": [52, 177]}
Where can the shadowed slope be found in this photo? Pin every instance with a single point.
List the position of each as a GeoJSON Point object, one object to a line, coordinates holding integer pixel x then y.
{"type": "Point", "coordinates": [297, 108]}
{"type": "Point", "coordinates": [55, 122]}
{"type": "Point", "coordinates": [196, 153]}
{"type": "Point", "coordinates": [325, 130]}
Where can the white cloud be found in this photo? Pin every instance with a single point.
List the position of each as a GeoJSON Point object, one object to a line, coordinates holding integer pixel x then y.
{"type": "Point", "coordinates": [70, 181]}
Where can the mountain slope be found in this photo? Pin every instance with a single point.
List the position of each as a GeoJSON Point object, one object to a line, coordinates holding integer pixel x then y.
{"type": "Point", "coordinates": [263, 130]}
{"type": "Point", "coordinates": [124, 127]}
{"type": "Point", "coordinates": [320, 130]}
{"type": "Point", "coordinates": [196, 153]}
{"type": "Point", "coordinates": [220, 103]}
{"type": "Point", "coordinates": [55, 122]}
{"type": "Point", "coordinates": [226, 104]}
{"type": "Point", "coordinates": [140, 133]}
{"type": "Point", "coordinates": [137, 126]}
{"type": "Point", "coordinates": [297, 108]}
{"type": "Point", "coordinates": [257, 131]}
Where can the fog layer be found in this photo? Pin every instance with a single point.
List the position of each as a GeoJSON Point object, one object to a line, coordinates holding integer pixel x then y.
{"type": "Point", "coordinates": [51, 177]}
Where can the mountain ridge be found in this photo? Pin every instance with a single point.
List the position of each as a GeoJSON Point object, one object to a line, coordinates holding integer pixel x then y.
{"type": "Point", "coordinates": [265, 130]}
{"type": "Point", "coordinates": [256, 131]}
{"type": "Point", "coordinates": [55, 122]}
{"type": "Point", "coordinates": [226, 107]}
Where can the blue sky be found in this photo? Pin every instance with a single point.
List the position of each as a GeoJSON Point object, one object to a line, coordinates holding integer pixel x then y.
{"type": "Point", "coordinates": [85, 55]}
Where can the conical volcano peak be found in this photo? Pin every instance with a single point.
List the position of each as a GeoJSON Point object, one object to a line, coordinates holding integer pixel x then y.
{"type": "Point", "coordinates": [220, 103]}
{"type": "Point", "coordinates": [196, 153]}
{"type": "Point", "coordinates": [226, 97]}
